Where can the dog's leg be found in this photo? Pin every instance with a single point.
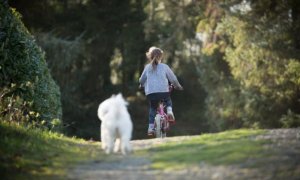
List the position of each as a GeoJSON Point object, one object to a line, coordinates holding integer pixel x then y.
{"type": "Point", "coordinates": [110, 137]}
{"type": "Point", "coordinates": [109, 146]}
{"type": "Point", "coordinates": [103, 142]}
{"type": "Point", "coordinates": [117, 145]}
{"type": "Point", "coordinates": [102, 138]}
{"type": "Point", "coordinates": [106, 139]}
{"type": "Point", "coordinates": [125, 145]}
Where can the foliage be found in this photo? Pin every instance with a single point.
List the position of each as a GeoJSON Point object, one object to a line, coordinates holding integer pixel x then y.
{"type": "Point", "coordinates": [27, 87]}
{"type": "Point", "coordinates": [263, 69]}
{"type": "Point", "coordinates": [69, 65]}
{"type": "Point", "coordinates": [81, 40]}
{"type": "Point", "coordinates": [28, 153]}
{"type": "Point", "coordinates": [238, 60]}
{"type": "Point", "coordinates": [291, 119]}
{"type": "Point", "coordinates": [251, 47]}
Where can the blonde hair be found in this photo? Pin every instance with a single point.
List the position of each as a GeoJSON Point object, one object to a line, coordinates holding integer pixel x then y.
{"type": "Point", "coordinates": [154, 55]}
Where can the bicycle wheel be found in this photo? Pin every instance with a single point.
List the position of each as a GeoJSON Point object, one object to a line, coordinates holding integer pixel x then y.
{"type": "Point", "coordinates": [164, 127]}
{"type": "Point", "coordinates": [158, 127]}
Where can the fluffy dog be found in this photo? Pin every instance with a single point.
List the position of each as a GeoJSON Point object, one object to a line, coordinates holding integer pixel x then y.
{"type": "Point", "coordinates": [116, 126]}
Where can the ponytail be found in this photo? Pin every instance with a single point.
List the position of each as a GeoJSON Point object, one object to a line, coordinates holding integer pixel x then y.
{"type": "Point", "coordinates": [154, 62]}
{"type": "Point", "coordinates": [154, 55]}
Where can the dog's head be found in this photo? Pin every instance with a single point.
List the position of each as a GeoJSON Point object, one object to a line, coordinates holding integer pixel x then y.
{"type": "Point", "coordinates": [115, 102]}
{"type": "Point", "coordinates": [120, 99]}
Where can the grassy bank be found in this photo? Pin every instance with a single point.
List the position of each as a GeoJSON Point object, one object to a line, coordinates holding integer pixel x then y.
{"type": "Point", "coordinates": [28, 153]}
{"type": "Point", "coordinates": [224, 148]}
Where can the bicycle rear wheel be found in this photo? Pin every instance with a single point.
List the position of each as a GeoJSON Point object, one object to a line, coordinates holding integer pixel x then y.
{"type": "Point", "coordinates": [158, 126]}
{"type": "Point", "coordinates": [164, 127]}
{"type": "Point", "coordinates": [160, 130]}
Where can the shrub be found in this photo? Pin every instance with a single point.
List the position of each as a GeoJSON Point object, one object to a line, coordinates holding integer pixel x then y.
{"type": "Point", "coordinates": [26, 86]}
{"type": "Point", "coordinates": [290, 120]}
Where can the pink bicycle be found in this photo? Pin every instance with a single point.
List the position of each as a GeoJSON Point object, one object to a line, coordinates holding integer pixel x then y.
{"type": "Point", "coordinates": [161, 120]}
{"type": "Point", "coordinates": [161, 123]}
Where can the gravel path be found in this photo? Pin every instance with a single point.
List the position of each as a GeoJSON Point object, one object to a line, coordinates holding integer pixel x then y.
{"type": "Point", "coordinates": [285, 142]}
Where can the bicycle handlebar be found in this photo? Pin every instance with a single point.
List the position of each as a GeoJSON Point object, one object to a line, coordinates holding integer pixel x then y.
{"type": "Point", "coordinates": [171, 87]}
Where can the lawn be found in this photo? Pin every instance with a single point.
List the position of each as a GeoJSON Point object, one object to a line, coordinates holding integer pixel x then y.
{"type": "Point", "coordinates": [226, 148]}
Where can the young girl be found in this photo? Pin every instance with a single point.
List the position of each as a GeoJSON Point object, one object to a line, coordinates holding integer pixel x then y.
{"type": "Point", "coordinates": [155, 79]}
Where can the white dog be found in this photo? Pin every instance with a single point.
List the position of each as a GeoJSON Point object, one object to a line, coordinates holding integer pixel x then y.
{"type": "Point", "coordinates": [116, 126]}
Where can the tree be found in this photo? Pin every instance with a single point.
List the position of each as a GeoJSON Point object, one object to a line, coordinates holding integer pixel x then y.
{"type": "Point", "coordinates": [80, 39]}
{"type": "Point", "coordinates": [261, 58]}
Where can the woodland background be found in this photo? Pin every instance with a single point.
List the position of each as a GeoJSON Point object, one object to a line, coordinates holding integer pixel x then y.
{"type": "Point", "coordinates": [238, 61]}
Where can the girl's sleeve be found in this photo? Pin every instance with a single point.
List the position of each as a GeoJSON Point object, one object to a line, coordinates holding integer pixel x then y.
{"type": "Point", "coordinates": [143, 77]}
{"type": "Point", "coordinates": [172, 77]}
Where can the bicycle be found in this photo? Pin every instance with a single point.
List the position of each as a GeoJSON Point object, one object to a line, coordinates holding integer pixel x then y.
{"type": "Point", "coordinates": [161, 123]}
{"type": "Point", "coordinates": [162, 120]}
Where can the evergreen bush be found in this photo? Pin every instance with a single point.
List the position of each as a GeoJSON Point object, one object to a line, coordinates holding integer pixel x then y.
{"type": "Point", "coordinates": [26, 85]}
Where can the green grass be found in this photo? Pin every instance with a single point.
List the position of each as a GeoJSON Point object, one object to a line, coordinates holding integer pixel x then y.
{"type": "Point", "coordinates": [27, 153]}
{"type": "Point", "coordinates": [224, 148]}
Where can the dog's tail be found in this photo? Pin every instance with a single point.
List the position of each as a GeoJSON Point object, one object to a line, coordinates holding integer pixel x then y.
{"type": "Point", "coordinates": [102, 110]}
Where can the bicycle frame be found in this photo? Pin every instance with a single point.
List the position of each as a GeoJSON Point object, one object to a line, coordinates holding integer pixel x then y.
{"type": "Point", "coordinates": [161, 122]}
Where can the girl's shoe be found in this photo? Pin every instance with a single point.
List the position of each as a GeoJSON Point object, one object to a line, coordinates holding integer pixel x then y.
{"type": "Point", "coordinates": [170, 114]}
{"type": "Point", "coordinates": [151, 130]}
